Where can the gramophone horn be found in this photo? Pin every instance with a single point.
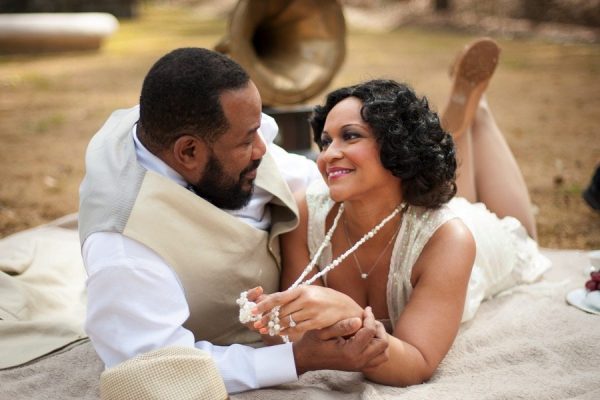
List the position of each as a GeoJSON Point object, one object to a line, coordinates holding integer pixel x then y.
{"type": "Point", "coordinates": [291, 48]}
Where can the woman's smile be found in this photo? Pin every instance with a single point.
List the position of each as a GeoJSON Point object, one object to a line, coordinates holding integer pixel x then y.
{"type": "Point", "coordinates": [334, 173]}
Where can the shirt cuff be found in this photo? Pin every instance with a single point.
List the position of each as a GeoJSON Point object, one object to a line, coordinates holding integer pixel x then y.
{"type": "Point", "coordinates": [245, 368]}
{"type": "Point", "coordinates": [275, 365]}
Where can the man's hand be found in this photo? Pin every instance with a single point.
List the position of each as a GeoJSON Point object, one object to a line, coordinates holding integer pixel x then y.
{"type": "Point", "coordinates": [380, 334]}
{"type": "Point", "coordinates": [331, 348]}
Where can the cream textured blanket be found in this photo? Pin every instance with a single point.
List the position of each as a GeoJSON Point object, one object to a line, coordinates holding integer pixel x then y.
{"type": "Point", "coordinates": [528, 344]}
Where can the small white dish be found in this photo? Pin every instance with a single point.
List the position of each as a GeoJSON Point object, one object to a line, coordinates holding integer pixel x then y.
{"type": "Point", "coordinates": [592, 299]}
{"type": "Point", "coordinates": [577, 298]}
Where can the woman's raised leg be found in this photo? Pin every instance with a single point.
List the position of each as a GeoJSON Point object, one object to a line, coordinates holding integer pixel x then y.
{"type": "Point", "coordinates": [487, 170]}
{"type": "Point", "coordinates": [471, 73]}
{"type": "Point", "coordinates": [465, 174]}
{"type": "Point", "coordinates": [499, 182]}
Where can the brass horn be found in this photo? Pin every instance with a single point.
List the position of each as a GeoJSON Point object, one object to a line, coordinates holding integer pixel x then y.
{"type": "Point", "coordinates": [291, 48]}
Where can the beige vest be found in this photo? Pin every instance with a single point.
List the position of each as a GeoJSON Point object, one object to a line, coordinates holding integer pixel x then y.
{"type": "Point", "coordinates": [215, 255]}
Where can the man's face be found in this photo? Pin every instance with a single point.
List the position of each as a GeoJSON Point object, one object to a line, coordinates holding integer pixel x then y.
{"type": "Point", "coordinates": [228, 178]}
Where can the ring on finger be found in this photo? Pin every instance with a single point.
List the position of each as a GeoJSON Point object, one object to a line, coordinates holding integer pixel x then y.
{"type": "Point", "coordinates": [292, 322]}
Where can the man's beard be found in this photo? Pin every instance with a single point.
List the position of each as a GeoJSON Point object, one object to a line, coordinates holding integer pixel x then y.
{"type": "Point", "coordinates": [221, 190]}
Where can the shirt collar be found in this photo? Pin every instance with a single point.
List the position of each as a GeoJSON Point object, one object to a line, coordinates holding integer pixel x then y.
{"type": "Point", "coordinates": [153, 163]}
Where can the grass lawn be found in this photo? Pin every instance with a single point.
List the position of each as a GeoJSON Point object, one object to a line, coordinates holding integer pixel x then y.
{"type": "Point", "coordinates": [545, 96]}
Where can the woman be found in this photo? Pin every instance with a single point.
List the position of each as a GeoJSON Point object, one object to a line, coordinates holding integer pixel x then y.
{"type": "Point", "coordinates": [430, 258]}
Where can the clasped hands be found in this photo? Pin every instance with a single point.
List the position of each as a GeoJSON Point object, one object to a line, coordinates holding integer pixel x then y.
{"type": "Point", "coordinates": [329, 330]}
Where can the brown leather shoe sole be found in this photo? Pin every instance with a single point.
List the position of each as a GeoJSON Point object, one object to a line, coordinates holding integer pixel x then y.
{"type": "Point", "coordinates": [472, 73]}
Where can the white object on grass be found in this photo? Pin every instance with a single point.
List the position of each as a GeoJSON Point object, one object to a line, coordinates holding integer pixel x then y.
{"type": "Point", "coordinates": [55, 31]}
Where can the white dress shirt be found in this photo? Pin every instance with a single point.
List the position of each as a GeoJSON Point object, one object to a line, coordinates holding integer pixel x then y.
{"type": "Point", "coordinates": [136, 302]}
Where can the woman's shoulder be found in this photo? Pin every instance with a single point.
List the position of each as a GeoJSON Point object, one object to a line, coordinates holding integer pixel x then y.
{"type": "Point", "coordinates": [317, 197]}
{"type": "Point", "coordinates": [318, 187]}
{"type": "Point", "coordinates": [429, 219]}
{"type": "Point", "coordinates": [423, 225]}
{"type": "Point", "coordinates": [450, 243]}
{"type": "Point", "coordinates": [420, 224]}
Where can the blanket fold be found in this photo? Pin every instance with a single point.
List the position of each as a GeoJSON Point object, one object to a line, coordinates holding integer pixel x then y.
{"type": "Point", "coordinates": [42, 293]}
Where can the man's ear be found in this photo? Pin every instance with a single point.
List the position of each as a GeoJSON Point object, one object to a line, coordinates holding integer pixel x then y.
{"type": "Point", "coordinates": [190, 154]}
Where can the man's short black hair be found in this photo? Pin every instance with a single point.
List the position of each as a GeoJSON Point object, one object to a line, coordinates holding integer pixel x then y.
{"type": "Point", "coordinates": [180, 95]}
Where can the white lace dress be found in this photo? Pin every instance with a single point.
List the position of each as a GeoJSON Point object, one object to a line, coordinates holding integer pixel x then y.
{"type": "Point", "coordinates": [506, 256]}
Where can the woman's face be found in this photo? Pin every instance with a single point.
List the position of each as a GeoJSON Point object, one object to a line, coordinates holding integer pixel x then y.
{"type": "Point", "coordinates": [349, 161]}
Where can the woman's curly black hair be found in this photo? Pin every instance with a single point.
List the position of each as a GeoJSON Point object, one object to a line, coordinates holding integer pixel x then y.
{"type": "Point", "coordinates": [413, 145]}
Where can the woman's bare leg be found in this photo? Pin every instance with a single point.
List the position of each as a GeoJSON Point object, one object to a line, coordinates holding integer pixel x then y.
{"type": "Point", "coordinates": [465, 173]}
{"type": "Point", "coordinates": [499, 183]}
{"type": "Point", "coordinates": [487, 170]}
{"type": "Point", "coordinates": [471, 73]}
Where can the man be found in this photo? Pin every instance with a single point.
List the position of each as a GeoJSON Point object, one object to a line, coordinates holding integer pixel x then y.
{"type": "Point", "coordinates": [180, 210]}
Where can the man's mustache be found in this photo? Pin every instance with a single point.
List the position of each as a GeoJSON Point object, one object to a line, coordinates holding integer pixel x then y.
{"type": "Point", "coordinates": [253, 165]}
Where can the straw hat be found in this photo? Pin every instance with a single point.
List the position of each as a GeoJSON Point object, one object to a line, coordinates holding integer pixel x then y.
{"type": "Point", "coordinates": [176, 373]}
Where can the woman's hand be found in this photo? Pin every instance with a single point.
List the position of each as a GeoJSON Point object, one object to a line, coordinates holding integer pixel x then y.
{"type": "Point", "coordinates": [254, 295]}
{"type": "Point", "coordinates": [306, 308]}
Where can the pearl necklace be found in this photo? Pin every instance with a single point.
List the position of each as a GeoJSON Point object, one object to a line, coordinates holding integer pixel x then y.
{"type": "Point", "coordinates": [246, 306]}
{"type": "Point", "coordinates": [365, 275]}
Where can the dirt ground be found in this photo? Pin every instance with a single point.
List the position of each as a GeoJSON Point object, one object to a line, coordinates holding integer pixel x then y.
{"type": "Point", "coordinates": [545, 95]}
